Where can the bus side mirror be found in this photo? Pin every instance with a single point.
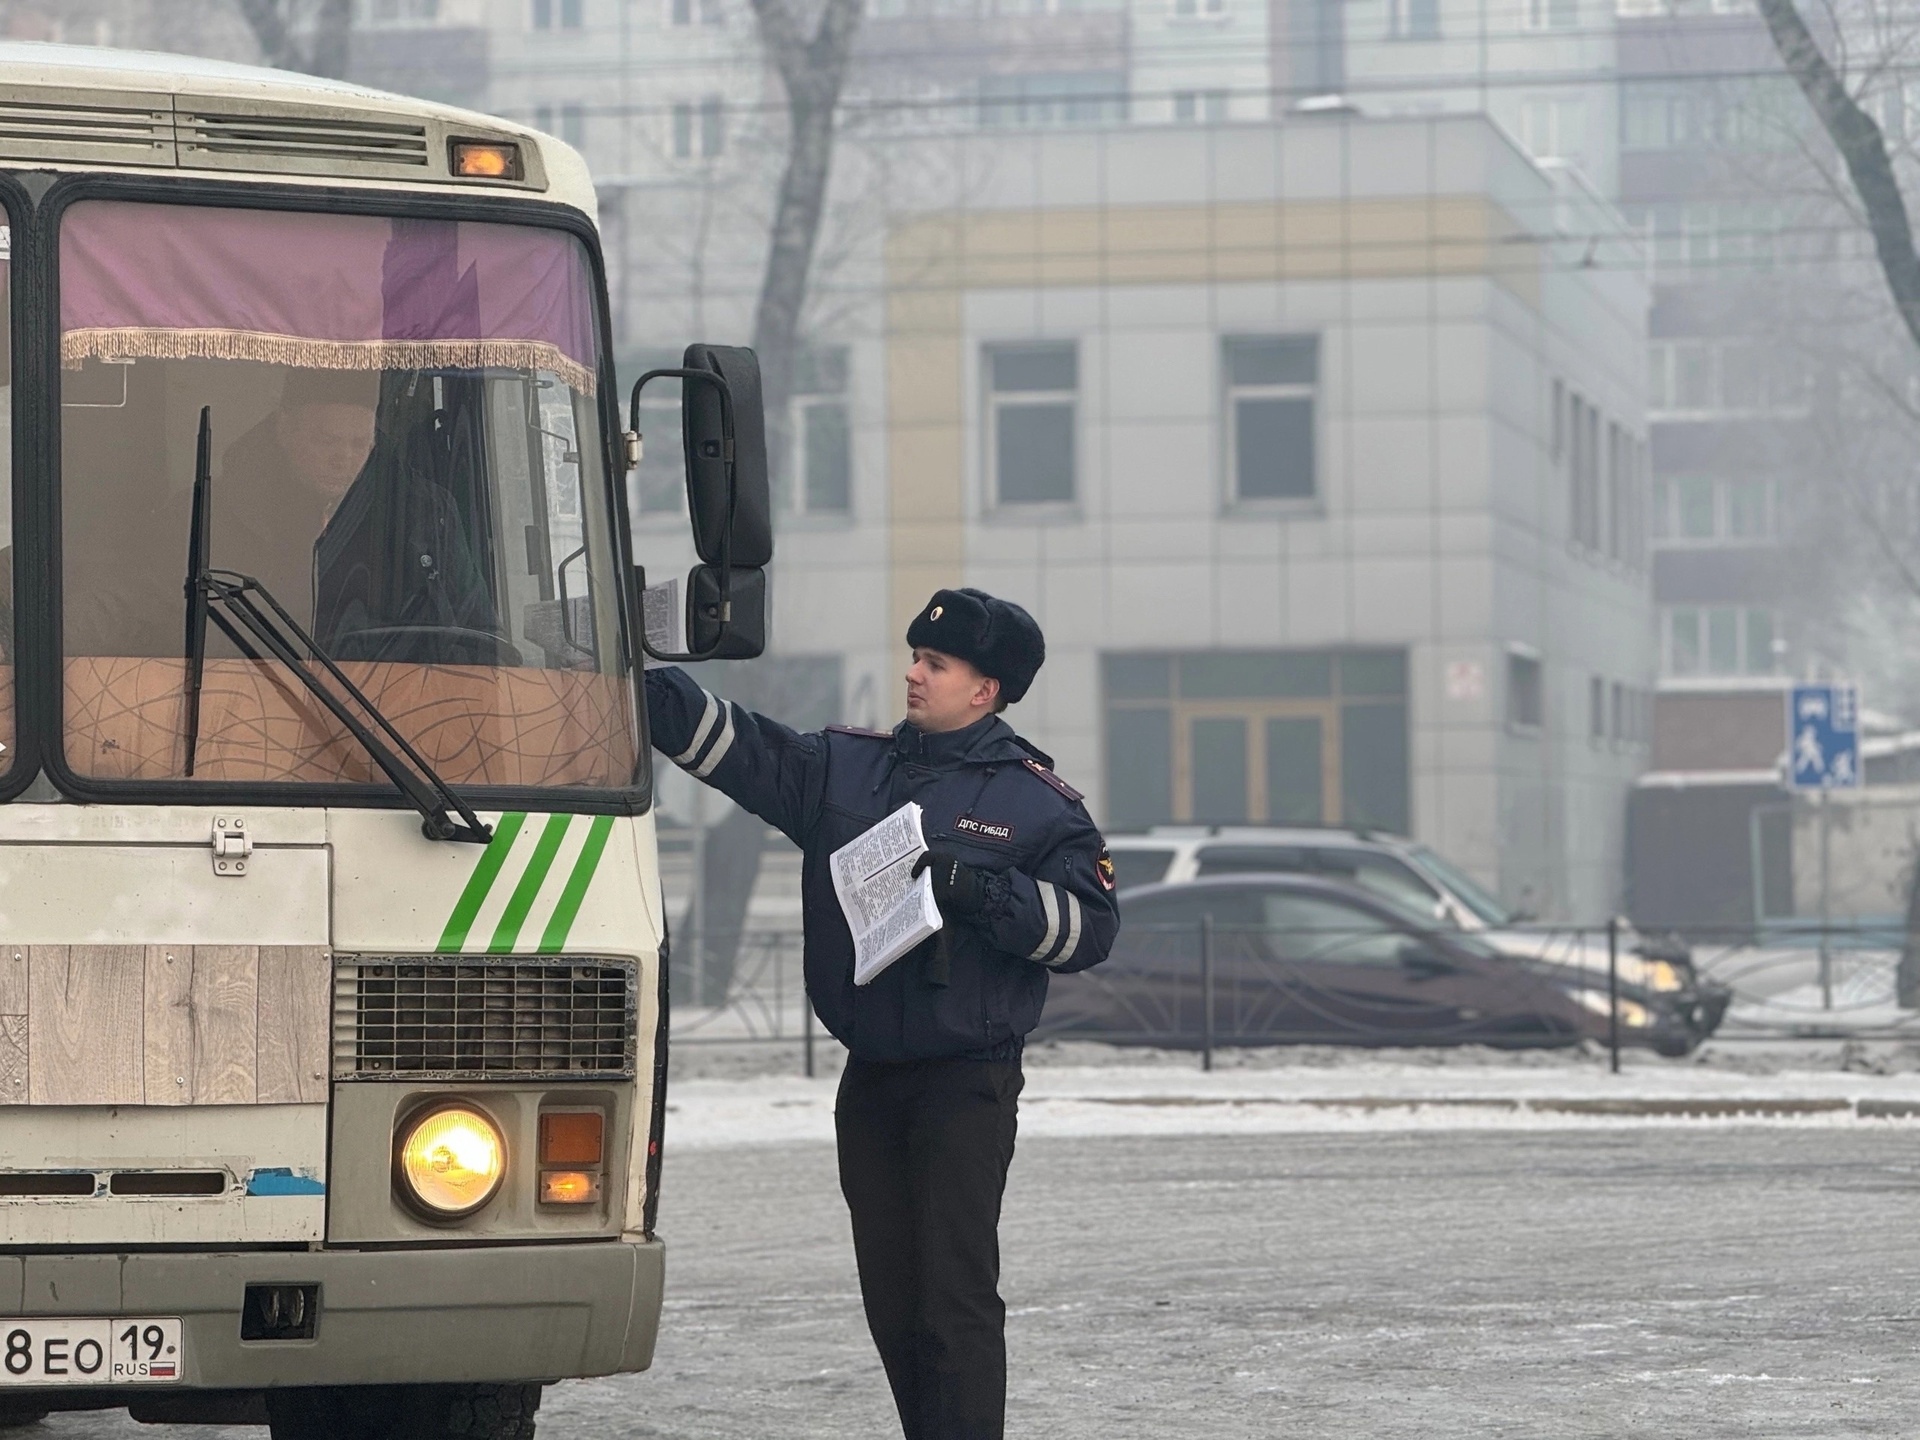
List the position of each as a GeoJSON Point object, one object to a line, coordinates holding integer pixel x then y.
{"type": "Point", "coordinates": [724, 429]}
{"type": "Point", "coordinates": [724, 433]}
{"type": "Point", "coordinates": [729, 624]}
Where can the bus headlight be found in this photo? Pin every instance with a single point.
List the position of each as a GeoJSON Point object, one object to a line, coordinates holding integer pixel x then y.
{"type": "Point", "coordinates": [450, 1160]}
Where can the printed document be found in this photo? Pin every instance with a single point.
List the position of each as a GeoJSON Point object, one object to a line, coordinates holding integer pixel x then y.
{"type": "Point", "coordinates": [888, 909]}
{"type": "Point", "coordinates": [665, 621]}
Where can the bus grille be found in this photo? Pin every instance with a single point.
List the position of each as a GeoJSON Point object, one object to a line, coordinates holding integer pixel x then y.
{"type": "Point", "coordinates": [483, 1018]}
{"type": "Point", "coordinates": [347, 145]}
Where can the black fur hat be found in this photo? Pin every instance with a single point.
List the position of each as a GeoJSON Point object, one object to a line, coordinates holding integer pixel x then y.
{"type": "Point", "coordinates": [994, 636]}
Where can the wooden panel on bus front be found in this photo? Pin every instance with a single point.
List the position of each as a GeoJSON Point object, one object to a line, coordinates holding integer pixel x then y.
{"type": "Point", "coordinates": [476, 724]}
{"type": "Point", "coordinates": [164, 1024]}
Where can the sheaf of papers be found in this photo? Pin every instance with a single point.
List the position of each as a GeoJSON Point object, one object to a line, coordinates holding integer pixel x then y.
{"type": "Point", "coordinates": [888, 909]}
{"type": "Point", "coordinates": [664, 620]}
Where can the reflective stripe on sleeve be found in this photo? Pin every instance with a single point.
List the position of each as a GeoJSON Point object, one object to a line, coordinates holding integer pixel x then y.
{"type": "Point", "coordinates": [1072, 939]}
{"type": "Point", "coordinates": [1052, 910]}
{"type": "Point", "coordinates": [720, 746]}
{"type": "Point", "coordinates": [700, 733]}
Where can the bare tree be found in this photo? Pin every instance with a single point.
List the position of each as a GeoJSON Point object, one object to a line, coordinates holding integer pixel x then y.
{"type": "Point", "coordinates": [813, 70]}
{"type": "Point", "coordinates": [308, 35]}
{"type": "Point", "coordinates": [1862, 148]}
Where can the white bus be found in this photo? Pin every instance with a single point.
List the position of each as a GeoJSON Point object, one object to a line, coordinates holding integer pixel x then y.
{"type": "Point", "coordinates": [332, 957]}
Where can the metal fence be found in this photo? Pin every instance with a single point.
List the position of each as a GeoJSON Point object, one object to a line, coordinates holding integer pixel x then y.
{"type": "Point", "coordinates": [1203, 986]}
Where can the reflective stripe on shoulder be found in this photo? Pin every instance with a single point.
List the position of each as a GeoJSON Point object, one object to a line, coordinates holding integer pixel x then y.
{"type": "Point", "coordinates": [1052, 912]}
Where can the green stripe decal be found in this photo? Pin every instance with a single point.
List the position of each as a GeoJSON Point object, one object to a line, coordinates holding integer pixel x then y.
{"type": "Point", "coordinates": [521, 901]}
{"type": "Point", "coordinates": [577, 882]}
{"type": "Point", "coordinates": [480, 882]}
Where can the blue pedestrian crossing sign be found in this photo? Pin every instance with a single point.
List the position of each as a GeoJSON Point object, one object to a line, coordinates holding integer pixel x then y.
{"type": "Point", "coordinates": [1823, 737]}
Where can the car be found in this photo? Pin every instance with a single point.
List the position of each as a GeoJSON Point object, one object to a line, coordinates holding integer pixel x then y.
{"type": "Point", "coordinates": [1310, 959]}
{"type": "Point", "coordinates": [1410, 874]}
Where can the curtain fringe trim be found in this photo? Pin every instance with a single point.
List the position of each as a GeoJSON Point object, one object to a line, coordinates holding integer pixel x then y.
{"type": "Point", "coordinates": [77, 346]}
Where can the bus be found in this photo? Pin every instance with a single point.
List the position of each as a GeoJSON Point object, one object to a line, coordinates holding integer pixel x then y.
{"type": "Point", "coordinates": [332, 952]}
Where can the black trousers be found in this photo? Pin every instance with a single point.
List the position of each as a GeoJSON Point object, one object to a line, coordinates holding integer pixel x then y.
{"type": "Point", "coordinates": [924, 1150]}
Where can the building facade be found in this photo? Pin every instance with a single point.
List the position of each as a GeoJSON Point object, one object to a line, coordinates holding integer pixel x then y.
{"type": "Point", "coordinates": [1314, 447]}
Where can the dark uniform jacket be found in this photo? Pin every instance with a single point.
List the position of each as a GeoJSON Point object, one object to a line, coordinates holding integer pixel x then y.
{"type": "Point", "coordinates": [987, 795]}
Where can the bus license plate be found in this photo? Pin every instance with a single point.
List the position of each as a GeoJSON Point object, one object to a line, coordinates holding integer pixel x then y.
{"type": "Point", "coordinates": [90, 1352]}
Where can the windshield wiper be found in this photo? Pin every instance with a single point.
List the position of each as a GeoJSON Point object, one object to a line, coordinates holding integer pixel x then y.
{"type": "Point", "coordinates": [227, 598]}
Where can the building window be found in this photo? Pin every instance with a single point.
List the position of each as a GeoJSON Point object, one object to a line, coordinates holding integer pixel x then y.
{"type": "Point", "coordinates": [1272, 382]}
{"type": "Point", "coordinates": [556, 14]}
{"type": "Point", "coordinates": [1550, 14]}
{"type": "Point", "coordinates": [1413, 19]}
{"type": "Point", "coordinates": [1199, 106]}
{"type": "Point", "coordinates": [1584, 472]}
{"type": "Point", "coordinates": [1747, 114]}
{"type": "Point", "coordinates": [1093, 97]}
{"type": "Point", "coordinates": [1718, 640]}
{"type": "Point", "coordinates": [699, 130]}
{"type": "Point", "coordinates": [388, 13]}
{"type": "Point", "coordinates": [1620, 710]}
{"type": "Point", "coordinates": [1033, 402]}
{"type": "Point", "coordinates": [1197, 9]}
{"type": "Point", "coordinates": [1525, 701]}
{"type": "Point", "coordinates": [1703, 509]}
{"type": "Point", "coordinates": [567, 122]}
{"type": "Point", "coordinates": [1553, 127]}
{"type": "Point", "coordinates": [1304, 737]}
{"type": "Point", "coordinates": [1596, 709]}
{"type": "Point", "coordinates": [1684, 240]}
{"type": "Point", "coordinates": [822, 433]}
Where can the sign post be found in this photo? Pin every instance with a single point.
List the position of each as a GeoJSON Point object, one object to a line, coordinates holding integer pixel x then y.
{"type": "Point", "coordinates": [1823, 754]}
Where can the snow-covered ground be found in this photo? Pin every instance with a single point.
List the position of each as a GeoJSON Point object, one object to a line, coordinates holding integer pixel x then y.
{"type": "Point", "coordinates": [1353, 1091]}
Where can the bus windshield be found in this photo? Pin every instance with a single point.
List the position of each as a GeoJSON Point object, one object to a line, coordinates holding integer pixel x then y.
{"type": "Point", "coordinates": [406, 453]}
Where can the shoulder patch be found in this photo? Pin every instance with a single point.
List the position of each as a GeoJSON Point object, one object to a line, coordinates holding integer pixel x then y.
{"type": "Point", "coordinates": [1052, 779]}
{"type": "Point", "coordinates": [856, 730]}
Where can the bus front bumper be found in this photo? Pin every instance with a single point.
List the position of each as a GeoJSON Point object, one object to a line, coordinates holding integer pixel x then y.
{"type": "Point", "coordinates": [492, 1313]}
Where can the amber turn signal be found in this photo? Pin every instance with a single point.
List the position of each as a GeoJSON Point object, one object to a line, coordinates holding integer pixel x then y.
{"type": "Point", "coordinates": [570, 1137]}
{"type": "Point", "coordinates": [568, 1187]}
{"type": "Point", "coordinates": [486, 160]}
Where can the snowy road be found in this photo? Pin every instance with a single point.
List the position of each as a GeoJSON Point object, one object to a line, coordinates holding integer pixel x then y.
{"type": "Point", "coordinates": [1704, 1279]}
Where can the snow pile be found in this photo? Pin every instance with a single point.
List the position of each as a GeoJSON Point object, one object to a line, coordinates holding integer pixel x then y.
{"type": "Point", "coordinates": [1374, 1094]}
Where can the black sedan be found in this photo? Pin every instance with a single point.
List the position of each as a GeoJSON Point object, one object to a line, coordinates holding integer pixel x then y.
{"type": "Point", "coordinates": [1305, 960]}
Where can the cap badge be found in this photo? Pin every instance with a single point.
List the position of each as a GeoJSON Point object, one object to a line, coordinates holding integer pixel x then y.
{"type": "Point", "coordinates": [936, 612]}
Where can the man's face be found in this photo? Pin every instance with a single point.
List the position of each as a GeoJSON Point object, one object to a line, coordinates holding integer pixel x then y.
{"type": "Point", "coordinates": [944, 692]}
{"type": "Point", "coordinates": [326, 443]}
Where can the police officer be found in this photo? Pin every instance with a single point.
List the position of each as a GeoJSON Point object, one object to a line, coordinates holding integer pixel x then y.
{"type": "Point", "coordinates": [926, 1110]}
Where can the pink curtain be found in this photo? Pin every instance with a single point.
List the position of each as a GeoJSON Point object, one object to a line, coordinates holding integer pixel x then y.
{"type": "Point", "coordinates": [321, 291]}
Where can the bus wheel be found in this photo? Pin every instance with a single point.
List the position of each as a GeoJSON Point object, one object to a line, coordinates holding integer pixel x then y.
{"type": "Point", "coordinates": [404, 1412]}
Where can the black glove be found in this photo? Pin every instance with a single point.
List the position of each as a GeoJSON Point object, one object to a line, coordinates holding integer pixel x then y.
{"type": "Point", "coordinates": [959, 889]}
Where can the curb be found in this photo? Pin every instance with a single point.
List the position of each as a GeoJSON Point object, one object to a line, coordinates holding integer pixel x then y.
{"type": "Point", "coordinates": [1703, 1107]}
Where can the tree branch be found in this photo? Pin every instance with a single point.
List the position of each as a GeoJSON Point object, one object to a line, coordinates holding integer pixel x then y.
{"type": "Point", "coordinates": [332, 32]}
{"type": "Point", "coordinates": [1862, 148]}
{"type": "Point", "coordinates": [271, 32]}
{"type": "Point", "coordinates": [813, 72]}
